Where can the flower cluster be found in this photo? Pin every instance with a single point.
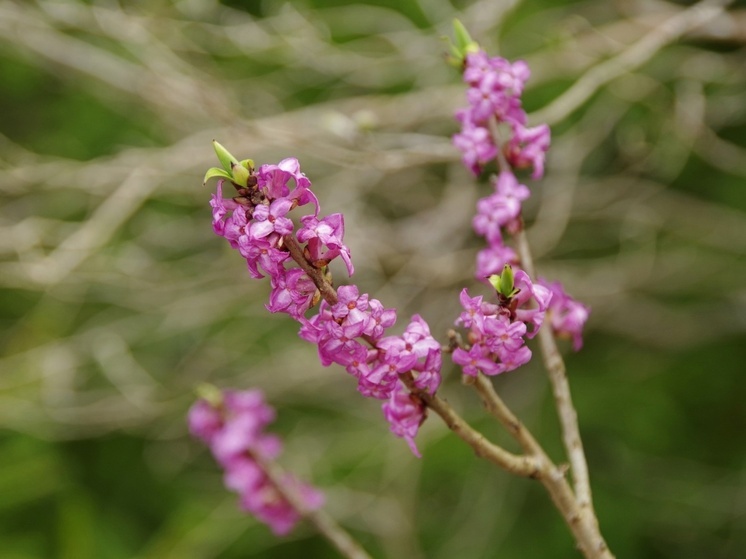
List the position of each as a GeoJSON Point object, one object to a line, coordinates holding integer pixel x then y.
{"type": "Point", "coordinates": [497, 331]}
{"type": "Point", "coordinates": [232, 424]}
{"type": "Point", "coordinates": [495, 213]}
{"type": "Point", "coordinates": [349, 327]}
{"type": "Point", "coordinates": [494, 95]}
{"type": "Point", "coordinates": [256, 223]}
{"type": "Point", "coordinates": [566, 315]}
{"type": "Point", "coordinates": [350, 333]}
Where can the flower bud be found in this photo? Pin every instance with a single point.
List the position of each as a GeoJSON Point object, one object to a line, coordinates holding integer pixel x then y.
{"type": "Point", "coordinates": [210, 394]}
{"type": "Point", "coordinates": [464, 44]}
{"type": "Point", "coordinates": [504, 283]}
{"type": "Point", "coordinates": [240, 174]}
{"type": "Point", "coordinates": [225, 157]}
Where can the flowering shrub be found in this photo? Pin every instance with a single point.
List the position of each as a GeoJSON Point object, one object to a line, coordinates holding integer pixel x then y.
{"type": "Point", "coordinates": [352, 330]}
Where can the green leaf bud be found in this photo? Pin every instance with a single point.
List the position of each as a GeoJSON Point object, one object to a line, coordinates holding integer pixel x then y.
{"type": "Point", "coordinates": [210, 394]}
{"type": "Point", "coordinates": [216, 172]}
{"type": "Point", "coordinates": [504, 283]}
{"type": "Point", "coordinates": [464, 43]}
{"type": "Point", "coordinates": [240, 174]}
{"type": "Point", "coordinates": [225, 157]}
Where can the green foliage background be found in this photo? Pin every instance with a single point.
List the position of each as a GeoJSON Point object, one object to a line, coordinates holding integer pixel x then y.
{"type": "Point", "coordinates": [116, 299]}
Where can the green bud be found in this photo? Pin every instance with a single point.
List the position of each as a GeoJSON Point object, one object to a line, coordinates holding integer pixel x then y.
{"type": "Point", "coordinates": [216, 172]}
{"type": "Point", "coordinates": [249, 164]}
{"type": "Point", "coordinates": [240, 174]}
{"type": "Point", "coordinates": [464, 44]}
{"type": "Point", "coordinates": [504, 283]}
{"type": "Point", "coordinates": [210, 394]}
{"type": "Point", "coordinates": [507, 281]}
{"type": "Point", "coordinates": [225, 157]}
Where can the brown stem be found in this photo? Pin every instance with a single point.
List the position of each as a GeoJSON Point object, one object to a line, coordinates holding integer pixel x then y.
{"type": "Point", "coordinates": [582, 522]}
{"type": "Point", "coordinates": [568, 417]}
{"type": "Point", "coordinates": [525, 466]}
{"type": "Point", "coordinates": [324, 524]}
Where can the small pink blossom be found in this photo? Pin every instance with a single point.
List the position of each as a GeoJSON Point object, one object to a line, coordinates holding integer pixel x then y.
{"type": "Point", "coordinates": [325, 239]}
{"type": "Point", "coordinates": [405, 413]}
{"type": "Point", "coordinates": [492, 259]}
{"type": "Point", "coordinates": [530, 291]}
{"type": "Point", "coordinates": [476, 359]}
{"type": "Point", "coordinates": [567, 316]}
{"type": "Point", "coordinates": [273, 181]}
{"type": "Point", "coordinates": [527, 148]}
{"type": "Point", "coordinates": [292, 292]}
{"type": "Point", "coordinates": [476, 145]}
{"type": "Point", "coordinates": [271, 219]}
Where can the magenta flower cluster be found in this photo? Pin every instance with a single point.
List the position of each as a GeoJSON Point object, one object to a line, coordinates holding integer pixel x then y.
{"type": "Point", "coordinates": [233, 428]}
{"type": "Point", "coordinates": [495, 213]}
{"type": "Point", "coordinates": [497, 330]}
{"type": "Point", "coordinates": [494, 94]}
{"type": "Point", "coordinates": [350, 329]}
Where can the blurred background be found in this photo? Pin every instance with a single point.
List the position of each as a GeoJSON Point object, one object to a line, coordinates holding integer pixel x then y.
{"type": "Point", "coordinates": [116, 298]}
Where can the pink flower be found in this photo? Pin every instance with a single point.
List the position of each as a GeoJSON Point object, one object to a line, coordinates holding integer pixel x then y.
{"type": "Point", "coordinates": [263, 253]}
{"type": "Point", "coordinates": [477, 359]}
{"type": "Point", "coordinates": [292, 292]}
{"type": "Point", "coordinates": [500, 209]}
{"type": "Point", "coordinates": [234, 431]}
{"type": "Point", "coordinates": [204, 421]}
{"type": "Point", "coordinates": [219, 209]}
{"type": "Point", "coordinates": [567, 316]}
{"type": "Point", "coordinates": [476, 145]}
{"type": "Point", "coordinates": [528, 290]}
{"type": "Point", "coordinates": [379, 320]}
{"type": "Point", "coordinates": [514, 358]}
{"type": "Point", "coordinates": [405, 413]}
{"type": "Point", "coordinates": [492, 259]}
{"type": "Point", "coordinates": [271, 219]}
{"type": "Point", "coordinates": [497, 332]}
{"type": "Point", "coordinates": [405, 351]}
{"type": "Point", "coordinates": [351, 306]}
{"type": "Point", "coordinates": [273, 181]}
{"type": "Point", "coordinates": [380, 379]}
{"type": "Point", "coordinates": [324, 238]}
{"type": "Point", "coordinates": [528, 147]}
{"type": "Point", "coordinates": [494, 94]}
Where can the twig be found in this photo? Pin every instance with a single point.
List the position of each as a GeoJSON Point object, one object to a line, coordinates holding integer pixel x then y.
{"type": "Point", "coordinates": [555, 366]}
{"type": "Point", "coordinates": [525, 466]}
{"type": "Point", "coordinates": [325, 524]}
{"type": "Point", "coordinates": [632, 57]}
{"type": "Point", "coordinates": [582, 523]}
{"type": "Point", "coordinates": [497, 408]}
{"type": "Point", "coordinates": [561, 388]}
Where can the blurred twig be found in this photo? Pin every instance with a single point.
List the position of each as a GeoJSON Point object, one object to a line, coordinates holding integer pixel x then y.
{"type": "Point", "coordinates": [629, 59]}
